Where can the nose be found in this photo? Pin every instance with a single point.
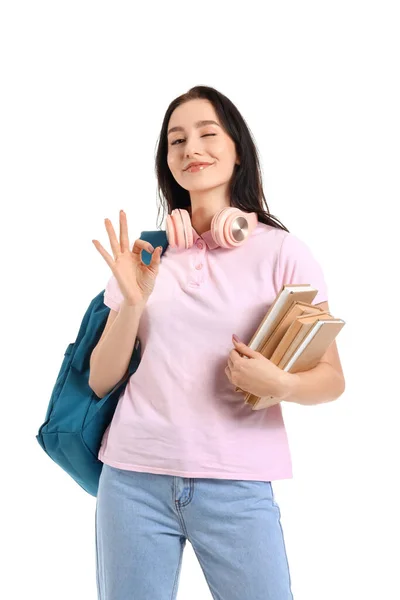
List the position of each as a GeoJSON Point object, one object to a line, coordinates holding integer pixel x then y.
{"type": "Point", "coordinates": [192, 147]}
{"type": "Point", "coordinates": [191, 152]}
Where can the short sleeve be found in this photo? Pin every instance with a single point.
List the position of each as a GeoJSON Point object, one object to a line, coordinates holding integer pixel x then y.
{"type": "Point", "coordinates": [298, 265]}
{"type": "Point", "coordinates": [113, 296]}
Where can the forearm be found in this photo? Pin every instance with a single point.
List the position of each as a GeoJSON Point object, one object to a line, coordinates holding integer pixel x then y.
{"type": "Point", "coordinates": [110, 359]}
{"type": "Point", "coordinates": [318, 385]}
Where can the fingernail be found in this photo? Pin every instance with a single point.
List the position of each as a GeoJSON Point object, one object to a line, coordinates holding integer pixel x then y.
{"type": "Point", "coordinates": [235, 337]}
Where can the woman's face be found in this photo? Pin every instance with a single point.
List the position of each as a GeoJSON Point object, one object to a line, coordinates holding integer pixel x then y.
{"type": "Point", "coordinates": [207, 142]}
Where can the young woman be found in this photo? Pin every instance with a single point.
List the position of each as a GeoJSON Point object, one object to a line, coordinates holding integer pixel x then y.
{"type": "Point", "coordinates": [184, 457]}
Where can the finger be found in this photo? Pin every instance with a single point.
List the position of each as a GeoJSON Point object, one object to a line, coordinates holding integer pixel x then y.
{"type": "Point", "coordinates": [155, 260]}
{"type": "Point", "coordinates": [235, 355]}
{"type": "Point", "coordinates": [140, 245]}
{"type": "Point", "coordinates": [123, 231]}
{"type": "Point", "coordinates": [107, 257]}
{"type": "Point", "coordinates": [112, 237]}
{"type": "Point", "coordinates": [156, 256]}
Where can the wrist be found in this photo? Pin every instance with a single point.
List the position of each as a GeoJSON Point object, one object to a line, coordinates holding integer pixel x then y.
{"type": "Point", "coordinates": [289, 385]}
{"type": "Point", "coordinates": [133, 307]}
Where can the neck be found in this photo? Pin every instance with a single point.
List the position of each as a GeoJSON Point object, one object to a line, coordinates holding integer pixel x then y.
{"type": "Point", "coordinates": [203, 209]}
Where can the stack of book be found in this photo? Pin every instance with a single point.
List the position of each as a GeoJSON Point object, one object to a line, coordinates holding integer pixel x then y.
{"type": "Point", "coordinates": [294, 334]}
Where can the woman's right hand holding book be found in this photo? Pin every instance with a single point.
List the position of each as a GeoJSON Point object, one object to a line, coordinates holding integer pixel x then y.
{"type": "Point", "coordinates": [136, 280]}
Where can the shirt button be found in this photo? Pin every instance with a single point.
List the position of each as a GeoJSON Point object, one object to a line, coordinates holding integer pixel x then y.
{"type": "Point", "coordinates": [198, 267]}
{"type": "Point", "coordinates": [199, 244]}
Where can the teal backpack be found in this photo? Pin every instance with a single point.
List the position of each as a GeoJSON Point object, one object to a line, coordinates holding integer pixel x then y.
{"type": "Point", "coordinates": [76, 418]}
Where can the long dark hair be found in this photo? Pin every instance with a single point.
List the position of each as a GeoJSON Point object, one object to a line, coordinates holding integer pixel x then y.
{"type": "Point", "coordinates": [245, 191]}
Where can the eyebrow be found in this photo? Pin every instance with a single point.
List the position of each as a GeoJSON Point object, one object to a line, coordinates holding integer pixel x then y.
{"type": "Point", "coordinates": [198, 124]}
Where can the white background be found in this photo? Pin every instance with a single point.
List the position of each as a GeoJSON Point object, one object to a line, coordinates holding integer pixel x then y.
{"type": "Point", "coordinates": [85, 86]}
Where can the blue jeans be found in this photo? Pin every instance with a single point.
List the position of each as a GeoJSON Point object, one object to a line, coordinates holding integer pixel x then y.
{"type": "Point", "coordinates": [143, 521]}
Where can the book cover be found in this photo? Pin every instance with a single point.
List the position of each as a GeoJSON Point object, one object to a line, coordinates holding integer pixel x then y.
{"type": "Point", "coordinates": [307, 354]}
{"type": "Point", "coordinates": [289, 294]}
{"type": "Point", "coordinates": [296, 310]}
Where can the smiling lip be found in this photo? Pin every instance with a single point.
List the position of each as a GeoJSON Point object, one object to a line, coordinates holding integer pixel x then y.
{"type": "Point", "coordinates": [196, 167]}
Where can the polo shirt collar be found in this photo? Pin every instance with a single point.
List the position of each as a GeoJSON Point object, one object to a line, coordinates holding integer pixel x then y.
{"type": "Point", "coordinates": [206, 237]}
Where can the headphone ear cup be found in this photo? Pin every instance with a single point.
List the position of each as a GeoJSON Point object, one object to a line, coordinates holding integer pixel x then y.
{"type": "Point", "coordinates": [187, 228]}
{"type": "Point", "coordinates": [231, 227]}
{"type": "Point", "coordinates": [170, 231]}
{"type": "Point", "coordinates": [179, 229]}
{"type": "Point", "coordinates": [216, 223]}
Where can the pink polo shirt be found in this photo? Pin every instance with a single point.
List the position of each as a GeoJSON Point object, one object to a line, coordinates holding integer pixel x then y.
{"type": "Point", "coordinates": [179, 414]}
